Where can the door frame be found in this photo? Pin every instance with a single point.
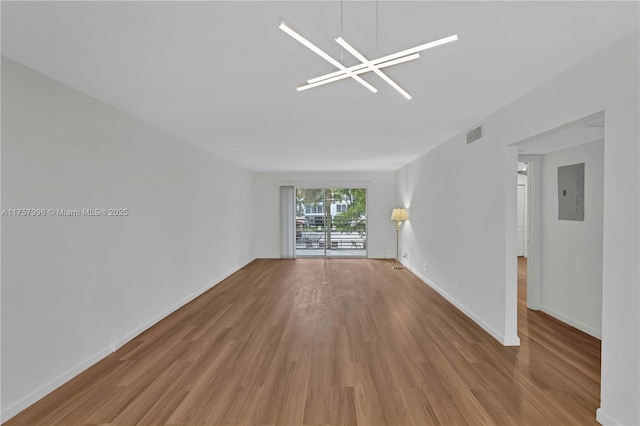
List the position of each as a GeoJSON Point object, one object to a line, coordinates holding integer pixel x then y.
{"type": "Point", "coordinates": [534, 261]}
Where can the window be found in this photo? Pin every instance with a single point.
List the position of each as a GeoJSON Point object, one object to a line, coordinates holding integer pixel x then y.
{"type": "Point", "coordinates": [313, 209]}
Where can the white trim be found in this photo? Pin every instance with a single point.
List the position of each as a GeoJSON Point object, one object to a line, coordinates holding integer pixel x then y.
{"type": "Point", "coordinates": [505, 340]}
{"type": "Point", "coordinates": [39, 393]}
{"type": "Point", "coordinates": [511, 242]}
{"type": "Point", "coordinates": [605, 419]}
{"type": "Point", "coordinates": [572, 322]}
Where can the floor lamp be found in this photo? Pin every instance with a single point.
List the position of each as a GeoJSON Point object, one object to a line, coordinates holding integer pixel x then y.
{"type": "Point", "coordinates": [398, 215]}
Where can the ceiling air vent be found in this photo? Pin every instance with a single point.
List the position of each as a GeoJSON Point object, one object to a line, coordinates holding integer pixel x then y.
{"type": "Point", "coordinates": [474, 134]}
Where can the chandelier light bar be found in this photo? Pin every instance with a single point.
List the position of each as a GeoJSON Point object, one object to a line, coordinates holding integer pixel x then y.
{"type": "Point", "coordinates": [373, 68]}
{"type": "Point", "coordinates": [420, 48]}
{"type": "Point", "coordinates": [324, 56]}
{"type": "Point", "coordinates": [365, 65]}
{"type": "Point", "coordinates": [363, 69]}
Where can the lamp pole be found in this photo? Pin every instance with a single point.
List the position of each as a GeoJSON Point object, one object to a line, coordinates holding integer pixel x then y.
{"type": "Point", "coordinates": [397, 265]}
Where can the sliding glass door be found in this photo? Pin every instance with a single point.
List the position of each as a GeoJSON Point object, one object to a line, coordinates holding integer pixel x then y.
{"type": "Point", "coordinates": [331, 222]}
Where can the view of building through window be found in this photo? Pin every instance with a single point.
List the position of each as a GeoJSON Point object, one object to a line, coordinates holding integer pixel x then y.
{"type": "Point", "coordinates": [331, 222]}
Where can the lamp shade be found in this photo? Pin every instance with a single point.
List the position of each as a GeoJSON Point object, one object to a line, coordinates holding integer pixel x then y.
{"type": "Point", "coordinates": [399, 214]}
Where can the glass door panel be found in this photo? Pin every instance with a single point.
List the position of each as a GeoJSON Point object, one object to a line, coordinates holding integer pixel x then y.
{"type": "Point", "coordinates": [331, 222]}
{"type": "Point", "coordinates": [310, 222]}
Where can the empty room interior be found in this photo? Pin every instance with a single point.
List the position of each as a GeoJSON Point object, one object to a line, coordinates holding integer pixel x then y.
{"type": "Point", "coordinates": [320, 213]}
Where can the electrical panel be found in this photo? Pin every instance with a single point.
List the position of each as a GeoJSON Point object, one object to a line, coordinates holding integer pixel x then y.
{"type": "Point", "coordinates": [571, 192]}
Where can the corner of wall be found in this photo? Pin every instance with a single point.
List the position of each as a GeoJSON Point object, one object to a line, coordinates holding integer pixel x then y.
{"type": "Point", "coordinates": [500, 337]}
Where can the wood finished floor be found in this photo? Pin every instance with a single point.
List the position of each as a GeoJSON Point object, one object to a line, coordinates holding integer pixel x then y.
{"type": "Point", "coordinates": [333, 342]}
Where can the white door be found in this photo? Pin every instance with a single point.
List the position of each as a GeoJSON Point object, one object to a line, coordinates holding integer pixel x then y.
{"type": "Point", "coordinates": [522, 209]}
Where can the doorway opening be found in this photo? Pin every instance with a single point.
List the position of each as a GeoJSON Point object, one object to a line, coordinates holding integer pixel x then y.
{"type": "Point", "coordinates": [559, 268]}
{"type": "Point", "coordinates": [563, 254]}
{"type": "Point", "coordinates": [331, 222]}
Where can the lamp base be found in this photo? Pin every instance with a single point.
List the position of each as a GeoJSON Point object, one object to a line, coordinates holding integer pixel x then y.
{"type": "Point", "coordinates": [398, 267]}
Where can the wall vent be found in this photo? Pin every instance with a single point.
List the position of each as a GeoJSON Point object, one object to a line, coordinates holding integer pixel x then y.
{"type": "Point", "coordinates": [474, 134]}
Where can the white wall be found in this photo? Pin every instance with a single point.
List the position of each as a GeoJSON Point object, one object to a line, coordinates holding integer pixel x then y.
{"type": "Point", "coordinates": [572, 250]}
{"type": "Point", "coordinates": [74, 286]}
{"type": "Point", "coordinates": [463, 225]}
{"type": "Point", "coordinates": [455, 197]}
{"type": "Point", "coordinates": [381, 238]}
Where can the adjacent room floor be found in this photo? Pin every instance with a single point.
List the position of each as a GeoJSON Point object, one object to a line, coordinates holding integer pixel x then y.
{"type": "Point", "coordinates": [333, 342]}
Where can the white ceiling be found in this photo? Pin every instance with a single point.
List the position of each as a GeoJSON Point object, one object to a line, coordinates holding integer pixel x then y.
{"type": "Point", "coordinates": [221, 75]}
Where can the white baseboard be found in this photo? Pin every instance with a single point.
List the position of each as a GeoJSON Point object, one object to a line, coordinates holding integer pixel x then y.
{"type": "Point", "coordinates": [39, 393]}
{"type": "Point", "coordinates": [53, 384]}
{"type": "Point", "coordinates": [572, 322]}
{"type": "Point", "coordinates": [505, 340]}
{"type": "Point", "coordinates": [605, 419]}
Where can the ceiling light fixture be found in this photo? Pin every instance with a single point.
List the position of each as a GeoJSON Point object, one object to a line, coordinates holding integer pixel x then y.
{"type": "Point", "coordinates": [372, 67]}
{"type": "Point", "coordinates": [366, 65]}
{"type": "Point", "coordinates": [359, 70]}
{"type": "Point", "coordinates": [324, 56]}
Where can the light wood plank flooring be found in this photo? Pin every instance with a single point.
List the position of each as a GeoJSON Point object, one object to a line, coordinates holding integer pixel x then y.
{"type": "Point", "coordinates": [333, 342]}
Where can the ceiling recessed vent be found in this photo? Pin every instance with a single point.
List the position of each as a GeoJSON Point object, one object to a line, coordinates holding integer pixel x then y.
{"type": "Point", "coordinates": [474, 135]}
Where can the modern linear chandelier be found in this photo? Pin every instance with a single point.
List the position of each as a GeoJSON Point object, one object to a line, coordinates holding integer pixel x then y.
{"type": "Point", "coordinates": [365, 65]}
